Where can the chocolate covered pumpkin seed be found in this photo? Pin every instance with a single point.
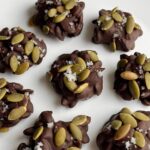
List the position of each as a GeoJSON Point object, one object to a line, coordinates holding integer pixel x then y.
{"type": "Point", "coordinates": [147, 80]}
{"type": "Point", "coordinates": [14, 63]}
{"type": "Point", "coordinates": [17, 38]}
{"type": "Point", "coordinates": [130, 24]}
{"type": "Point", "coordinates": [15, 97]}
{"type": "Point", "coordinates": [129, 75]}
{"type": "Point", "coordinates": [79, 120]}
{"type": "Point", "coordinates": [3, 82]}
{"type": "Point", "coordinates": [140, 140]}
{"type": "Point", "coordinates": [141, 116]}
{"type": "Point", "coordinates": [2, 93]}
{"type": "Point", "coordinates": [38, 132]}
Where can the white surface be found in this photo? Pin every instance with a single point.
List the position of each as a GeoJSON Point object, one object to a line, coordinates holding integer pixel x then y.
{"type": "Point", "coordinates": [100, 108]}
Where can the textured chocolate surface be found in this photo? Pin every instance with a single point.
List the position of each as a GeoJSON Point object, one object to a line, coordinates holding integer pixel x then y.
{"type": "Point", "coordinates": [111, 30]}
{"type": "Point", "coordinates": [46, 140]}
{"type": "Point", "coordinates": [136, 88]}
{"type": "Point", "coordinates": [15, 104]}
{"type": "Point", "coordinates": [75, 76]}
{"type": "Point", "coordinates": [19, 50]}
{"type": "Point", "coordinates": [106, 138]}
{"type": "Point", "coordinates": [56, 19]}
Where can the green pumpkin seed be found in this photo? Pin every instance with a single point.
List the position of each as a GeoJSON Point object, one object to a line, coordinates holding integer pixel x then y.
{"type": "Point", "coordinates": [17, 38]}
{"type": "Point", "coordinates": [17, 113]}
{"type": "Point", "coordinates": [64, 68]}
{"type": "Point", "coordinates": [113, 45]}
{"type": "Point", "coordinates": [137, 26]}
{"type": "Point", "coordinates": [116, 124]}
{"type": "Point", "coordinates": [93, 56]}
{"type": "Point", "coordinates": [2, 93]}
{"type": "Point", "coordinates": [146, 66]}
{"type": "Point", "coordinates": [79, 120]}
{"type": "Point", "coordinates": [64, 1]}
{"type": "Point", "coordinates": [141, 116]}
{"type": "Point", "coordinates": [81, 62]}
{"type": "Point", "coordinates": [129, 75]}
{"type": "Point", "coordinates": [122, 63]}
{"type": "Point", "coordinates": [122, 132]}
{"type": "Point", "coordinates": [4, 129]}
{"type": "Point", "coordinates": [134, 89]}
{"type": "Point", "coordinates": [60, 9]}
{"type": "Point", "coordinates": [60, 17]}
{"type": "Point", "coordinates": [15, 97]}
{"type": "Point", "coordinates": [77, 69]}
{"type": "Point", "coordinates": [130, 24]}
{"type": "Point", "coordinates": [147, 80]}
{"type": "Point", "coordinates": [52, 12]}
{"type": "Point", "coordinates": [38, 132]}
{"type": "Point", "coordinates": [106, 25]}
{"type": "Point", "coordinates": [73, 148]}
{"type": "Point", "coordinates": [140, 59]}
{"type": "Point", "coordinates": [117, 17]}
{"type": "Point", "coordinates": [36, 54]}
{"type": "Point", "coordinates": [13, 63]}
{"type": "Point", "coordinates": [84, 75]}
{"type": "Point", "coordinates": [76, 132]}
{"type": "Point", "coordinates": [45, 29]}
{"type": "Point", "coordinates": [102, 18]}
{"type": "Point", "coordinates": [81, 88]}
{"type": "Point", "coordinates": [126, 110]}
{"type": "Point", "coordinates": [71, 85]}
{"type": "Point", "coordinates": [70, 4]}
{"type": "Point", "coordinates": [60, 137]}
{"type": "Point", "coordinates": [3, 37]}
{"type": "Point", "coordinates": [128, 119]}
{"type": "Point", "coordinates": [114, 9]}
{"type": "Point", "coordinates": [23, 68]}
{"type": "Point", "coordinates": [29, 47]}
{"type": "Point", "coordinates": [3, 82]}
{"type": "Point", "coordinates": [139, 138]}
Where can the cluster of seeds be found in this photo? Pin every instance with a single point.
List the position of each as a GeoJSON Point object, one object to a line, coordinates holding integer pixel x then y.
{"type": "Point", "coordinates": [14, 104]}
{"type": "Point", "coordinates": [48, 134]}
{"type": "Point", "coordinates": [19, 50]}
{"type": "Point", "coordinates": [60, 18]}
{"type": "Point", "coordinates": [132, 78]}
{"type": "Point", "coordinates": [117, 27]}
{"type": "Point", "coordinates": [130, 129]}
{"type": "Point", "coordinates": [75, 76]}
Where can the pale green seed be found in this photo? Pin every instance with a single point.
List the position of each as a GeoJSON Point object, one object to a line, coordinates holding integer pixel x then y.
{"type": "Point", "coordinates": [29, 47]}
{"type": "Point", "coordinates": [106, 25]}
{"type": "Point", "coordinates": [140, 59]}
{"type": "Point", "coordinates": [80, 120]}
{"type": "Point", "coordinates": [64, 1]}
{"type": "Point", "coordinates": [3, 82]}
{"type": "Point", "coordinates": [17, 38]}
{"type": "Point", "coordinates": [15, 97]}
{"type": "Point", "coordinates": [70, 4]}
{"type": "Point", "coordinates": [4, 38]}
{"type": "Point", "coordinates": [147, 80]}
{"type": "Point", "coordinates": [139, 138]}
{"type": "Point", "coordinates": [126, 110]}
{"type": "Point", "coordinates": [60, 17]}
{"type": "Point", "coordinates": [113, 45]}
{"type": "Point", "coordinates": [129, 75]}
{"type": "Point", "coordinates": [93, 55]}
{"type": "Point", "coordinates": [64, 68]}
{"type": "Point", "coordinates": [122, 63]}
{"type": "Point", "coordinates": [13, 63]}
{"type": "Point", "coordinates": [116, 124]}
{"type": "Point", "coordinates": [2, 93]}
{"type": "Point", "coordinates": [146, 66]}
{"type": "Point", "coordinates": [36, 54]}
{"type": "Point", "coordinates": [141, 116]}
{"type": "Point", "coordinates": [38, 132]}
{"type": "Point", "coordinates": [81, 88]}
{"type": "Point", "coordinates": [22, 68]}
{"type": "Point", "coordinates": [52, 12]}
{"type": "Point", "coordinates": [130, 24]}
{"type": "Point", "coordinates": [117, 17]}
{"type": "Point", "coordinates": [83, 75]}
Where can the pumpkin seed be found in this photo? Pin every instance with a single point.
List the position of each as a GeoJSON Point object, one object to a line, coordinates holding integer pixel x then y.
{"type": "Point", "coordinates": [117, 17]}
{"type": "Point", "coordinates": [114, 9]}
{"type": "Point", "coordinates": [60, 9]}
{"type": "Point", "coordinates": [29, 47]}
{"type": "Point", "coordinates": [60, 17]}
{"type": "Point", "coordinates": [140, 59]}
{"type": "Point", "coordinates": [77, 69]}
{"type": "Point", "coordinates": [113, 45]}
{"type": "Point", "coordinates": [15, 97]}
{"type": "Point", "coordinates": [60, 137]}
{"type": "Point", "coordinates": [147, 80]}
{"type": "Point", "coordinates": [73, 148]}
{"type": "Point", "coordinates": [4, 129]}
{"type": "Point", "coordinates": [52, 12]}
{"type": "Point", "coordinates": [102, 18]}
{"type": "Point", "coordinates": [137, 26]}
{"type": "Point", "coordinates": [64, 68]}
{"type": "Point", "coordinates": [70, 4]}
{"type": "Point", "coordinates": [146, 66]}
{"type": "Point", "coordinates": [71, 85]}
{"type": "Point", "coordinates": [36, 54]}
{"type": "Point", "coordinates": [13, 63]}
{"type": "Point", "coordinates": [84, 75]}
{"type": "Point", "coordinates": [122, 63]}
{"type": "Point", "coordinates": [81, 88]}
{"type": "Point", "coordinates": [17, 38]}
{"type": "Point", "coordinates": [2, 93]}
{"type": "Point", "coordinates": [93, 56]}
{"type": "Point", "coordinates": [45, 29]}
{"type": "Point", "coordinates": [140, 140]}
{"type": "Point", "coordinates": [128, 119]}
{"type": "Point", "coordinates": [64, 1]}
{"type": "Point", "coordinates": [116, 124]}
{"type": "Point", "coordinates": [3, 37]}
{"type": "Point", "coordinates": [134, 89]}
{"type": "Point", "coordinates": [3, 82]}
{"type": "Point", "coordinates": [122, 132]}
{"type": "Point", "coordinates": [141, 116]}
{"type": "Point", "coordinates": [23, 68]}
{"type": "Point", "coordinates": [82, 63]}
{"type": "Point", "coordinates": [17, 113]}
{"type": "Point", "coordinates": [76, 132]}
{"type": "Point", "coordinates": [129, 75]}
{"type": "Point", "coordinates": [130, 24]}
{"type": "Point", "coordinates": [38, 132]}
{"type": "Point", "coordinates": [79, 120]}
{"type": "Point", "coordinates": [126, 110]}
{"type": "Point", "coordinates": [106, 25]}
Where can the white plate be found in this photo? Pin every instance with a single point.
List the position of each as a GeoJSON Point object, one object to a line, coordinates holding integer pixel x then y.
{"type": "Point", "coordinates": [100, 108]}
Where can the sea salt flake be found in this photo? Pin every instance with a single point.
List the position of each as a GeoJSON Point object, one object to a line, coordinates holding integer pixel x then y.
{"type": "Point", "coordinates": [98, 22]}
{"type": "Point", "coordinates": [107, 18]}
{"type": "Point", "coordinates": [46, 11]}
{"type": "Point", "coordinates": [38, 146]}
{"type": "Point", "coordinates": [50, 125]}
{"type": "Point", "coordinates": [115, 35]}
{"type": "Point", "coordinates": [133, 140]}
{"type": "Point", "coordinates": [89, 63]}
{"type": "Point", "coordinates": [4, 107]}
{"type": "Point", "coordinates": [69, 62]}
{"type": "Point", "coordinates": [127, 144]}
{"type": "Point", "coordinates": [70, 75]}
{"type": "Point", "coordinates": [49, 2]}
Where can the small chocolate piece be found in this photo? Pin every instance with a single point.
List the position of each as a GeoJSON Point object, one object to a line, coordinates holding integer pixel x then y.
{"type": "Point", "coordinates": [19, 50]}
{"type": "Point", "coordinates": [132, 78]}
{"type": "Point", "coordinates": [126, 131]}
{"type": "Point", "coordinates": [75, 76]}
{"type": "Point", "coordinates": [116, 28]}
{"type": "Point", "coordinates": [15, 104]}
{"type": "Point", "coordinates": [59, 18]}
{"type": "Point", "coordinates": [46, 134]}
